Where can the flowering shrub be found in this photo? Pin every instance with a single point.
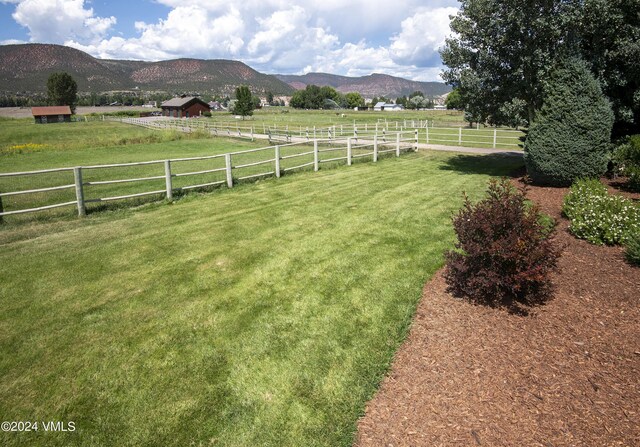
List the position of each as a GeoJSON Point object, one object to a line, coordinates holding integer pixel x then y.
{"type": "Point", "coordinates": [504, 251]}
{"type": "Point", "coordinates": [598, 217]}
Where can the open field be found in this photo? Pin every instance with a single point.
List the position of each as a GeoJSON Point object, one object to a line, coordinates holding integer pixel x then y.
{"type": "Point", "coordinates": [108, 143]}
{"type": "Point", "coordinates": [286, 115]}
{"type": "Point", "coordinates": [261, 315]}
{"type": "Point", "coordinates": [25, 112]}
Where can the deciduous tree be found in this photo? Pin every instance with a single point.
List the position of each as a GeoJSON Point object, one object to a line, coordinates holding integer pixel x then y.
{"type": "Point", "coordinates": [504, 49]}
{"type": "Point", "coordinates": [244, 104]}
{"type": "Point", "coordinates": [62, 90]}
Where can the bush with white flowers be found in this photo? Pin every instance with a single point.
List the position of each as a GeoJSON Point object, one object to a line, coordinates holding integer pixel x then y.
{"type": "Point", "coordinates": [599, 217]}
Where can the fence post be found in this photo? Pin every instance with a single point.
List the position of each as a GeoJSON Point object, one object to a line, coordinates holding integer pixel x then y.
{"type": "Point", "coordinates": [375, 147]}
{"type": "Point", "coordinates": [495, 136]}
{"type": "Point", "coordinates": [251, 133]}
{"type": "Point", "coordinates": [1, 211]}
{"type": "Point", "coordinates": [227, 162]}
{"type": "Point", "coordinates": [316, 162]}
{"type": "Point", "coordinates": [398, 144]}
{"type": "Point", "coordinates": [277, 158]}
{"type": "Point", "coordinates": [416, 134]}
{"type": "Point", "coordinates": [77, 175]}
{"type": "Point", "coordinates": [459, 136]}
{"type": "Point", "coordinates": [314, 132]}
{"type": "Point", "coordinates": [167, 177]}
{"type": "Point", "coordinates": [427, 132]}
{"type": "Point", "coordinates": [348, 151]}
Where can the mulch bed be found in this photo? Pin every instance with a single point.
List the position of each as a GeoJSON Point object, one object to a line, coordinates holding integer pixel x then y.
{"type": "Point", "coordinates": [567, 374]}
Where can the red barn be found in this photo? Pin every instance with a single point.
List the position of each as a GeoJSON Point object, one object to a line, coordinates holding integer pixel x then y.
{"type": "Point", "coordinates": [52, 114]}
{"type": "Point", "coordinates": [184, 107]}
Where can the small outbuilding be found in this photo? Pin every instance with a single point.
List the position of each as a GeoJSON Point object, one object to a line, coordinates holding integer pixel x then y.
{"type": "Point", "coordinates": [184, 107]}
{"type": "Point", "coordinates": [51, 114]}
{"type": "Point", "coordinates": [383, 106]}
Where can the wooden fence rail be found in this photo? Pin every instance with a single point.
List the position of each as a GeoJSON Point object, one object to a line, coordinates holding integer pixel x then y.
{"type": "Point", "coordinates": [428, 133]}
{"type": "Point", "coordinates": [324, 151]}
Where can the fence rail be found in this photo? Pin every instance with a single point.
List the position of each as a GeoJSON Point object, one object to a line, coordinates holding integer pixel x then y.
{"type": "Point", "coordinates": [428, 133]}
{"type": "Point", "coordinates": [160, 177]}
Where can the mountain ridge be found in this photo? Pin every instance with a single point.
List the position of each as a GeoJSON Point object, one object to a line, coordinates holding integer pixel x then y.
{"type": "Point", "coordinates": [26, 67]}
{"type": "Point", "coordinates": [375, 84]}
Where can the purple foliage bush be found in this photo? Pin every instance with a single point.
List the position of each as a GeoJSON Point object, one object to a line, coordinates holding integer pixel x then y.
{"type": "Point", "coordinates": [505, 251]}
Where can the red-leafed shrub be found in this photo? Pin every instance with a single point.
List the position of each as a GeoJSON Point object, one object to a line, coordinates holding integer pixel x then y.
{"type": "Point", "coordinates": [505, 251]}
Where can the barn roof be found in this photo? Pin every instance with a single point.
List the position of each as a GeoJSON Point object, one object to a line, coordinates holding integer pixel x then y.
{"type": "Point", "coordinates": [50, 110]}
{"type": "Point", "coordinates": [180, 102]}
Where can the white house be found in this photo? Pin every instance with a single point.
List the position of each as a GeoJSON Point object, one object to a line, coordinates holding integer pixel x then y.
{"type": "Point", "coordinates": [383, 106]}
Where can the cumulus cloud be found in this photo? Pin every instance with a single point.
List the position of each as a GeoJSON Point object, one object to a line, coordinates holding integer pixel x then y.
{"type": "Point", "coordinates": [287, 36]}
{"type": "Point", "coordinates": [59, 20]}
{"type": "Point", "coordinates": [421, 36]}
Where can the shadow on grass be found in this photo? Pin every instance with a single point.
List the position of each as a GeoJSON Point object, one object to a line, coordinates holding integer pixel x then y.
{"type": "Point", "coordinates": [510, 165]}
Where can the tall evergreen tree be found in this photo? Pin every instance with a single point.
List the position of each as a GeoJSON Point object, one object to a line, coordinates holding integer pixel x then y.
{"type": "Point", "coordinates": [570, 137]}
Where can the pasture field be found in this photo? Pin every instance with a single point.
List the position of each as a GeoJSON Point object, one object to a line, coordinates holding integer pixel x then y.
{"type": "Point", "coordinates": [283, 116]}
{"type": "Point", "coordinates": [102, 143]}
{"type": "Point", "coordinates": [265, 314]}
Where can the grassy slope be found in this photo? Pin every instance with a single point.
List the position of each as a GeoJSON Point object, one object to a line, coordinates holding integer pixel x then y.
{"type": "Point", "coordinates": [262, 315]}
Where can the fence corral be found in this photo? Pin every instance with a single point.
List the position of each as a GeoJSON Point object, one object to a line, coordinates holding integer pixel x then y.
{"type": "Point", "coordinates": [82, 186]}
{"type": "Point", "coordinates": [428, 133]}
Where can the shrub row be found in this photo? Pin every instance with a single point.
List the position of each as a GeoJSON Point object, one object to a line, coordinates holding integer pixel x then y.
{"type": "Point", "coordinates": [599, 217]}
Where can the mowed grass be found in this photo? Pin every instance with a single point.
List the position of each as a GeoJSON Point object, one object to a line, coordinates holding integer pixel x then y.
{"type": "Point", "coordinates": [264, 315]}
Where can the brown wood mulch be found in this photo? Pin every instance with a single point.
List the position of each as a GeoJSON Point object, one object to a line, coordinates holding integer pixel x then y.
{"type": "Point", "coordinates": [568, 374]}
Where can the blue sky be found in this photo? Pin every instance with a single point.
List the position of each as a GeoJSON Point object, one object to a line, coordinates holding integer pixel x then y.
{"type": "Point", "coordinates": [352, 38]}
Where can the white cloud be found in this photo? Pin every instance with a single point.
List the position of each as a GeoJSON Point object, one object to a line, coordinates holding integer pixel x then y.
{"type": "Point", "coordinates": [59, 20]}
{"type": "Point", "coordinates": [421, 36]}
{"type": "Point", "coordinates": [288, 36]}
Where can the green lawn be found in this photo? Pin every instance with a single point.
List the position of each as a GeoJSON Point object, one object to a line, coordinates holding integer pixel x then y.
{"type": "Point", "coordinates": [263, 315]}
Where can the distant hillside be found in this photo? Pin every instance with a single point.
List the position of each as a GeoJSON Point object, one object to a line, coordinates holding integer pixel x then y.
{"type": "Point", "coordinates": [27, 67]}
{"type": "Point", "coordinates": [369, 86]}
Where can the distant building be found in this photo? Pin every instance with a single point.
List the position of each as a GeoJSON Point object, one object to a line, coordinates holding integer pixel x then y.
{"type": "Point", "coordinates": [215, 105]}
{"type": "Point", "coordinates": [52, 114]}
{"type": "Point", "coordinates": [383, 106]}
{"type": "Point", "coordinates": [184, 107]}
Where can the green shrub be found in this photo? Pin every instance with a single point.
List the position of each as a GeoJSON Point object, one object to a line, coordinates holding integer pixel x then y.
{"type": "Point", "coordinates": [632, 252]}
{"type": "Point", "coordinates": [598, 217]}
{"type": "Point", "coordinates": [504, 252]}
{"type": "Point", "coordinates": [570, 137]}
{"type": "Point", "coordinates": [626, 160]}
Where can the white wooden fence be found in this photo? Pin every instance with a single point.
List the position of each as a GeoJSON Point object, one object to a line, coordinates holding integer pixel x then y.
{"type": "Point", "coordinates": [427, 133]}
{"type": "Point", "coordinates": [272, 157]}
